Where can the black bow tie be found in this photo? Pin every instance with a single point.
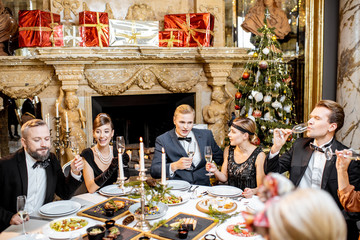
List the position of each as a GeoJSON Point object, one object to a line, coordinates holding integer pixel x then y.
{"type": "Point", "coordinates": [188, 139]}
{"type": "Point", "coordinates": [42, 164]}
{"type": "Point", "coordinates": [319, 149]}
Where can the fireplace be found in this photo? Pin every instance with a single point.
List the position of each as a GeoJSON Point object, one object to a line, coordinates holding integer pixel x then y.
{"type": "Point", "coordinates": [146, 116]}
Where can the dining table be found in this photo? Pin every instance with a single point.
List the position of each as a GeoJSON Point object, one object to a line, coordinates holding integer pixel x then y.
{"type": "Point", "coordinates": [36, 223]}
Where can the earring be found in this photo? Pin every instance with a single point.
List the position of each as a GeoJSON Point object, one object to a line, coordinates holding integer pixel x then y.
{"type": "Point", "coordinates": [111, 143]}
{"type": "Point", "coordinates": [94, 141]}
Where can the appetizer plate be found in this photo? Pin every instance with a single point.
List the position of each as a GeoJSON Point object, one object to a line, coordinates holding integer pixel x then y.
{"type": "Point", "coordinates": [221, 204]}
{"type": "Point", "coordinates": [225, 235]}
{"type": "Point", "coordinates": [185, 198]}
{"type": "Point", "coordinates": [51, 233]}
{"type": "Point", "coordinates": [225, 191]}
{"type": "Point", "coordinates": [59, 208]}
{"type": "Point", "coordinates": [162, 211]}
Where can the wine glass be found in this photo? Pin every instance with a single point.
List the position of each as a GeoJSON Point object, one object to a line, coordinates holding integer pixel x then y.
{"type": "Point", "coordinates": [120, 144]}
{"type": "Point", "coordinates": [300, 128]}
{"type": "Point", "coordinates": [74, 145]}
{"type": "Point", "coordinates": [208, 157]}
{"type": "Point", "coordinates": [191, 152]}
{"type": "Point", "coordinates": [354, 154]}
{"type": "Point", "coordinates": [20, 207]}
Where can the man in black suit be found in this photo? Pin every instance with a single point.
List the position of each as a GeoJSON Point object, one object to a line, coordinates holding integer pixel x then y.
{"type": "Point", "coordinates": [35, 172]}
{"type": "Point", "coordinates": [306, 160]}
{"type": "Point", "coordinates": [179, 165]}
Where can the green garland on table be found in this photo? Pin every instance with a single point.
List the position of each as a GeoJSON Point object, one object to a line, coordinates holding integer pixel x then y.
{"type": "Point", "coordinates": [220, 217]}
{"type": "Point", "coordinates": [158, 224]}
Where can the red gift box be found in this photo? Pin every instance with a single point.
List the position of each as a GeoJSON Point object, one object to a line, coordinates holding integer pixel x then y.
{"type": "Point", "coordinates": [171, 39]}
{"type": "Point", "coordinates": [39, 29]}
{"type": "Point", "coordinates": [198, 27]}
{"type": "Point", "coordinates": [94, 29]}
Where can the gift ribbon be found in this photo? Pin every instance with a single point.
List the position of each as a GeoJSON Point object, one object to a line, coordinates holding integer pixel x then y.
{"type": "Point", "coordinates": [190, 31]}
{"type": "Point", "coordinates": [134, 35]}
{"type": "Point", "coordinates": [44, 29]}
{"type": "Point", "coordinates": [71, 36]}
{"type": "Point", "coordinates": [171, 40]}
{"type": "Point", "coordinates": [99, 27]}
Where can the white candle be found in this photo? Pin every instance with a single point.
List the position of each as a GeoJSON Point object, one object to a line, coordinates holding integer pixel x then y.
{"type": "Point", "coordinates": [67, 121]}
{"type": "Point", "coordinates": [57, 108]}
{"type": "Point", "coordinates": [47, 119]}
{"type": "Point", "coordinates": [163, 167]}
{"type": "Point", "coordinates": [121, 168]}
{"type": "Point", "coordinates": [142, 163]}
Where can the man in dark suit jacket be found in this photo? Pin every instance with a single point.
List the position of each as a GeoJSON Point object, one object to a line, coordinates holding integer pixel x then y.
{"type": "Point", "coordinates": [307, 162]}
{"type": "Point", "coordinates": [35, 172]}
{"type": "Point", "coordinates": [176, 141]}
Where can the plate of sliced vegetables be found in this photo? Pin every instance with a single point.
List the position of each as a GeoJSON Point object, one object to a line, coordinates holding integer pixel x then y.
{"type": "Point", "coordinates": [66, 227]}
{"type": "Point", "coordinates": [175, 199]}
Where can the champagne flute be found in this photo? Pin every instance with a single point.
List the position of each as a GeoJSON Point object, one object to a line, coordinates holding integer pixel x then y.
{"type": "Point", "coordinates": [20, 207]}
{"type": "Point", "coordinates": [191, 152]}
{"type": "Point", "coordinates": [353, 155]}
{"type": "Point", "coordinates": [300, 128]}
{"type": "Point", "coordinates": [208, 157]}
{"type": "Point", "coordinates": [74, 146]}
{"type": "Point", "coordinates": [120, 145]}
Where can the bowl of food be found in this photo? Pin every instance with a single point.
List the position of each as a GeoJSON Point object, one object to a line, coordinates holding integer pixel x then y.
{"type": "Point", "coordinates": [96, 232]}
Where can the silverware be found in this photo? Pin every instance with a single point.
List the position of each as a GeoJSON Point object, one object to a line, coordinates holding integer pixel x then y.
{"type": "Point", "coordinates": [194, 188]}
{"type": "Point", "coordinates": [41, 218]}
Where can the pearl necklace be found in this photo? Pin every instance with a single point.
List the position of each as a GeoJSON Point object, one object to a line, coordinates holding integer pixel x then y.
{"type": "Point", "coordinates": [104, 160]}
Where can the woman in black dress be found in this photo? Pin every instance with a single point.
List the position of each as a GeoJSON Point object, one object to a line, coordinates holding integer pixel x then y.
{"type": "Point", "coordinates": [101, 162]}
{"type": "Point", "coordinates": [243, 165]}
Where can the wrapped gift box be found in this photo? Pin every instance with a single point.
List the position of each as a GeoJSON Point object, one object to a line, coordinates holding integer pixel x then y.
{"type": "Point", "coordinates": [72, 36]}
{"type": "Point", "coordinates": [198, 27]}
{"type": "Point", "coordinates": [94, 29]}
{"type": "Point", "coordinates": [134, 33]}
{"type": "Point", "coordinates": [39, 29]}
{"type": "Point", "coordinates": [171, 39]}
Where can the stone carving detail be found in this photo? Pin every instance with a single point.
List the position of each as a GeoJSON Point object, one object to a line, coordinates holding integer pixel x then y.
{"type": "Point", "coordinates": [109, 11]}
{"type": "Point", "coordinates": [145, 78]}
{"type": "Point", "coordinates": [142, 12]}
{"type": "Point", "coordinates": [68, 6]}
{"type": "Point", "coordinates": [36, 82]}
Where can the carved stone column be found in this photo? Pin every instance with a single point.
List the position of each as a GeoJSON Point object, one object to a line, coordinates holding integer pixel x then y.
{"type": "Point", "coordinates": [216, 114]}
{"type": "Point", "coordinates": [70, 76]}
{"type": "Point", "coordinates": [348, 82]}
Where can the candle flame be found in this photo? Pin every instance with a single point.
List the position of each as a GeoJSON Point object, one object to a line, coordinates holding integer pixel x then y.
{"type": "Point", "coordinates": [163, 150]}
{"type": "Point", "coordinates": [141, 139]}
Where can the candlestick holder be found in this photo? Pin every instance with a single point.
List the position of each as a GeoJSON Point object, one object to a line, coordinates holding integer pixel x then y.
{"type": "Point", "coordinates": [121, 183]}
{"type": "Point", "coordinates": [142, 223]}
{"type": "Point", "coordinates": [58, 143]}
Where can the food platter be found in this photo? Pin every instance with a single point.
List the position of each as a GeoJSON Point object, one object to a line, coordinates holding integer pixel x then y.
{"type": "Point", "coordinates": [162, 209]}
{"type": "Point", "coordinates": [222, 232]}
{"type": "Point", "coordinates": [48, 229]}
{"type": "Point", "coordinates": [224, 205]}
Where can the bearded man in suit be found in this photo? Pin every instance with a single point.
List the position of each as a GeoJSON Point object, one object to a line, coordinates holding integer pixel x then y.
{"type": "Point", "coordinates": [179, 165]}
{"type": "Point", "coordinates": [35, 172]}
{"type": "Point", "coordinates": [306, 161]}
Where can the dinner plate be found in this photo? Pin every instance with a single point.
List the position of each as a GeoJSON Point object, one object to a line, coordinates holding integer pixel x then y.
{"type": "Point", "coordinates": [60, 208]}
{"type": "Point", "coordinates": [162, 210]}
{"type": "Point", "coordinates": [185, 198]}
{"type": "Point", "coordinates": [47, 231]}
{"type": "Point", "coordinates": [225, 191]}
{"type": "Point", "coordinates": [58, 215]}
{"type": "Point", "coordinates": [31, 236]}
{"type": "Point", "coordinates": [178, 184]}
{"type": "Point", "coordinates": [255, 205]}
{"type": "Point", "coordinates": [114, 190]}
{"type": "Point", "coordinates": [223, 234]}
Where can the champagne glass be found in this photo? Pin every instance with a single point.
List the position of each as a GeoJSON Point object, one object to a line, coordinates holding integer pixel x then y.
{"type": "Point", "coordinates": [353, 155]}
{"type": "Point", "coordinates": [208, 157]}
{"type": "Point", "coordinates": [120, 144]}
{"type": "Point", "coordinates": [74, 145]}
{"type": "Point", "coordinates": [300, 128]}
{"type": "Point", "coordinates": [20, 207]}
{"type": "Point", "coordinates": [191, 152]}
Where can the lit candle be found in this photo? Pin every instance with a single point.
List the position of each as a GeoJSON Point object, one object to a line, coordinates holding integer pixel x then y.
{"type": "Point", "coordinates": [67, 121]}
{"type": "Point", "coordinates": [57, 108]}
{"type": "Point", "coordinates": [121, 168]}
{"type": "Point", "coordinates": [47, 119]}
{"type": "Point", "coordinates": [163, 167]}
{"type": "Point", "coordinates": [142, 163]}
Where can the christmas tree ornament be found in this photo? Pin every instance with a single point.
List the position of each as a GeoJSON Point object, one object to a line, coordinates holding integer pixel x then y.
{"type": "Point", "coordinates": [277, 85]}
{"type": "Point", "coordinates": [282, 98]}
{"type": "Point", "coordinates": [280, 114]}
{"type": "Point", "coordinates": [250, 97]}
{"type": "Point", "coordinates": [290, 138]}
{"type": "Point", "coordinates": [263, 128]}
{"type": "Point", "coordinates": [258, 96]}
{"type": "Point", "coordinates": [276, 104]}
{"type": "Point", "coordinates": [286, 80]}
{"type": "Point", "coordinates": [267, 99]}
{"type": "Point", "coordinates": [250, 111]}
{"type": "Point", "coordinates": [255, 54]}
{"type": "Point", "coordinates": [245, 75]}
{"type": "Point", "coordinates": [287, 108]}
{"type": "Point", "coordinates": [266, 51]}
{"type": "Point", "coordinates": [273, 38]}
{"type": "Point", "coordinates": [238, 95]}
{"type": "Point", "coordinates": [254, 92]}
{"type": "Point", "coordinates": [257, 113]}
{"type": "Point", "coordinates": [258, 74]}
{"type": "Point", "coordinates": [271, 131]}
{"type": "Point", "coordinates": [257, 141]}
{"type": "Point", "coordinates": [237, 107]}
{"type": "Point", "coordinates": [252, 118]}
{"type": "Point", "coordinates": [284, 92]}
{"type": "Point", "coordinates": [243, 110]}
{"type": "Point", "coordinates": [263, 64]}
{"type": "Point", "coordinates": [268, 117]}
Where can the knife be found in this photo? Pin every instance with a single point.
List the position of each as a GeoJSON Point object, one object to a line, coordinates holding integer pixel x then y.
{"type": "Point", "coordinates": [41, 218]}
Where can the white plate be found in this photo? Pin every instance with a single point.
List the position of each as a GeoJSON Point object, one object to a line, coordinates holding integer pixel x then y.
{"type": "Point", "coordinates": [225, 191]}
{"type": "Point", "coordinates": [60, 207]}
{"type": "Point", "coordinates": [178, 184]}
{"type": "Point", "coordinates": [185, 198]}
{"type": "Point", "coordinates": [114, 190]}
{"type": "Point", "coordinates": [47, 231]}
{"type": "Point", "coordinates": [255, 205]}
{"type": "Point", "coordinates": [58, 215]}
{"type": "Point", "coordinates": [162, 210]}
{"type": "Point", "coordinates": [31, 236]}
{"type": "Point", "coordinates": [223, 234]}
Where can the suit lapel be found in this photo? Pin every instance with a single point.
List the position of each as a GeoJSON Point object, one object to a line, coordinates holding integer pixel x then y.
{"type": "Point", "coordinates": [23, 171]}
{"type": "Point", "coordinates": [177, 144]}
{"type": "Point", "coordinates": [305, 159]}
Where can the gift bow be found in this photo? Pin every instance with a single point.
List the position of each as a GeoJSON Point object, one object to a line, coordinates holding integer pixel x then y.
{"type": "Point", "coordinates": [99, 27]}
{"type": "Point", "coordinates": [190, 31]}
{"type": "Point", "coordinates": [134, 35]}
{"type": "Point", "coordinates": [171, 40]}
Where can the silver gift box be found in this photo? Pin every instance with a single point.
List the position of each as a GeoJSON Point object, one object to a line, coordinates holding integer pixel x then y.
{"type": "Point", "coordinates": [133, 33]}
{"type": "Point", "coordinates": [71, 36]}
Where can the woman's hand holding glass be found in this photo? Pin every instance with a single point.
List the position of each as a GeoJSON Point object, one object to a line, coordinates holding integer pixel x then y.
{"type": "Point", "coordinates": [77, 165]}
{"type": "Point", "coordinates": [211, 167]}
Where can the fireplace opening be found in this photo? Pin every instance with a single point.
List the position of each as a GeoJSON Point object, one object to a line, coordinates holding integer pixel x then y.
{"type": "Point", "coordinates": [136, 116]}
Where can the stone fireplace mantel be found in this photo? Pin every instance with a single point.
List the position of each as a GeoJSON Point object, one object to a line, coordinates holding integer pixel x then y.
{"type": "Point", "coordinates": [210, 73]}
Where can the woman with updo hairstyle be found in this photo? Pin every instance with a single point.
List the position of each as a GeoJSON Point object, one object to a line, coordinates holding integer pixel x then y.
{"type": "Point", "coordinates": [101, 162]}
{"type": "Point", "coordinates": [243, 165]}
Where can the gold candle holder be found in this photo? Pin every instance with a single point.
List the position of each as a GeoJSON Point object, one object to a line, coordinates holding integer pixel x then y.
{"type": "Point", "coordinates": [142, 223]}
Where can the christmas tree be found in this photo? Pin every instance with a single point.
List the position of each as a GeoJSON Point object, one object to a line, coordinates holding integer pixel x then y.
{"type": "Point", "coordinates": [264, 90]}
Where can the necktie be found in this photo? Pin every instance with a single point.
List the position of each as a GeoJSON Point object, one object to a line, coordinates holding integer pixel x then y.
{"type": "Point", "coordinates": [42, 164]}
{"type": "Point", "coordinates": [188, 139]}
